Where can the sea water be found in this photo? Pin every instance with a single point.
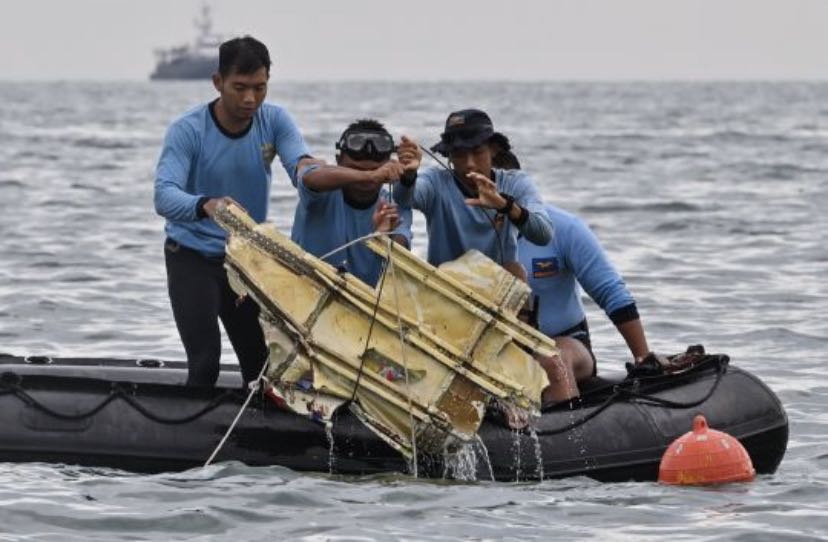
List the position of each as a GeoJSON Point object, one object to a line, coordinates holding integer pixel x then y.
{"type": "Point", "coordinates": [710, 198]}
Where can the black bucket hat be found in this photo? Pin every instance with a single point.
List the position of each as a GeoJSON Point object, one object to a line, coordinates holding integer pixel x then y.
{"type": "Point", "coordinates": [465, 129]}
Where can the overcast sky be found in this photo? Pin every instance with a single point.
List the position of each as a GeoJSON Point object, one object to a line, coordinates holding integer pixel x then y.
{"type": "Point", "coordinates": [432, 39]}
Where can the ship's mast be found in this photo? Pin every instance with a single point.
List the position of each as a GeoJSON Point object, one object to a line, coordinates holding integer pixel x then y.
{"type": "Point", "coordinates": [204, 24]}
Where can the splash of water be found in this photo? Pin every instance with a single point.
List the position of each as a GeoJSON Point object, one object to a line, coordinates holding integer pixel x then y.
{"type": "Point", "coordinates": [460, 464]}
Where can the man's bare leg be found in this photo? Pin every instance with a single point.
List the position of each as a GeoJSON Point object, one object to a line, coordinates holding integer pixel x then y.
{"type": "Point", "coordinates": [564, 371]}
{"type": "Point", "coordinates": [573, 364]}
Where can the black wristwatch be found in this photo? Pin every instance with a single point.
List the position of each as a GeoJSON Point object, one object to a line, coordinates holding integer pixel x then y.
{"type": "Point", "coordinates": [510, 202]}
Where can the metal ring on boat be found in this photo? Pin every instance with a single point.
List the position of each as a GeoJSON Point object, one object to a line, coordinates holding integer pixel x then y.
{"type": "Point", "coordinates": [149, 363]}
{"type": "Point", "coordinates": [38, 360]}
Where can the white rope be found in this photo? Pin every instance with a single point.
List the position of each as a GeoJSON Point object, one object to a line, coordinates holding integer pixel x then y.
{"type": "Point", "coordinates": [254, 387]}
{"type": "Point", "coordinates": [404, 360]}
{"type": "Point", "coordinates": [392, 271]}
{"type": "Point", "coordinates": [355, 241]}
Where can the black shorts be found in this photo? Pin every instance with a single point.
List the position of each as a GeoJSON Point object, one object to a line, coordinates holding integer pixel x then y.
{"type": "Point", "coordinates": [580, 332]}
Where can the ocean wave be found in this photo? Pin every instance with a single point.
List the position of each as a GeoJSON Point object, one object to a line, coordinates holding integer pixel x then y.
{"type": "Point", "coordinates": [703, 134]}
{"type": "Point", "coordinates": [90, 187]}
{"type": "Point", "coordinates": [11, 183]}
{"type": "Point", "coordinates": [780, 171]}
{"type": "Point", "coordinates": [672, 226]}
{"type": "Point", "coordinates": [37, 153]}
{"type": "Point", "coordinates": [105, 143]}
{"type": "Point", "coordinates": [657, 207]}
{"type": "Point", "coordinates": [103, 166]}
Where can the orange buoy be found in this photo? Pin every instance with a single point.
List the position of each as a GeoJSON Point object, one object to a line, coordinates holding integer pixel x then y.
{"type": "Point", "coordinates": [705, 456]}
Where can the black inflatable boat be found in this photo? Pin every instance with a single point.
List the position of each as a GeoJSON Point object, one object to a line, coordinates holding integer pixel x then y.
{"type": "Point", "coordinates": [137, 415]}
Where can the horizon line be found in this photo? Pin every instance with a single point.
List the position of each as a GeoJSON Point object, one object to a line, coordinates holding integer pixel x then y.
{"type": "Point", "coordinates": [562, 80]}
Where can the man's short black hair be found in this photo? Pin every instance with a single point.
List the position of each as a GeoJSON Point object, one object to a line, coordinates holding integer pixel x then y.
{"type": "Point", "coordinates": [367, 125]}
{"type": "Point", "coordinates": [244, 56]}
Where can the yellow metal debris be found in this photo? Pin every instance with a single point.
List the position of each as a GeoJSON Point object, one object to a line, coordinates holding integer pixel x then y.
{"type": "Point", "coordinates": [464, 345]}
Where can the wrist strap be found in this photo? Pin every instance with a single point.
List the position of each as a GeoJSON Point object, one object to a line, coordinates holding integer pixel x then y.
{"type": "Point", "coordinates": [522, 217]}
{"type": "Point", "coordinates": [510, 202]}
{"type": "Point", "coordinates": [408, 178]}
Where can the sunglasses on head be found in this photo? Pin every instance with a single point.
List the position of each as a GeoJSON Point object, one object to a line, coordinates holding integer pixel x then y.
{"type": "Point", "coordinates": [366, 143]}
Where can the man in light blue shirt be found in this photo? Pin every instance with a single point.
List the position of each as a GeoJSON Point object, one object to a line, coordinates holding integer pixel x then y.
{"type": "Point", "coordinates": [472, 205]}
{"type": "Point", "coordinates": [555, 270]}
{"type": "Point", "coordinates": [573, 256]}
{"type": "Point", "coordinates": [342, 203]}
{"type": "Point", "coordinates": [217, 153]}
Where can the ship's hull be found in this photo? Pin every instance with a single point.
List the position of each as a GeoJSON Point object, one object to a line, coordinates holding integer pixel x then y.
{"type": "Point", "coordinates": [138, 417]}
{"type": "Point", "coordinates": [186, 68]}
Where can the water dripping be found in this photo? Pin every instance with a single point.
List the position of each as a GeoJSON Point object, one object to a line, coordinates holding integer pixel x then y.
{"type": "Point", "coordinates": [576, 437]}
{"type": "Point", "coordinates": [485, 453]}
{"type": "Point", "coordinates": [331, 452]}
{"type": "Point", "coordinates": [516, 453]}
{"type": "Point", "coordinates": [563, 375]}
{"type": "Point", "coordinates": [533, 434]}
{"type": "Point", "coordinates": [412, 466]}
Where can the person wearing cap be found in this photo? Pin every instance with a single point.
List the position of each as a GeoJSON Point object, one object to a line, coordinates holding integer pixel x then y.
{"type": "Point", "coordinates": [574, 257]}
{"type": "Point", "coordinates": [216, 153]}
{"type": "Point", "coordinates": [472, 205]}
{"type": "Point", "coordinates": [339, 204]}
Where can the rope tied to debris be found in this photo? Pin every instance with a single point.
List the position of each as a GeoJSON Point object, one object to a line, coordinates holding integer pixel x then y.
{"type": "Point", "coordinates": [254, 387]}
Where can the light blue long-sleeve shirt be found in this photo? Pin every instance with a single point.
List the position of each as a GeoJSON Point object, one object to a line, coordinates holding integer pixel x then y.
{"type": "Point", "coordinates": [324, 221]}
{"type": "Point", "coordinates": [573, 257]}
{"type": "Point", "coordinates": [454, 227]}
{"type": "Point", "coordinates": [200, 159]}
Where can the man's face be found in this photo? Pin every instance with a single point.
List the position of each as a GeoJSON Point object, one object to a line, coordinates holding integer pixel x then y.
{"type": "Point", "coordinates": [361, 191]}
{"type": "Point", "coordinates": [476, 160]}
{"type": "Point", "coordinates": [242, 94]}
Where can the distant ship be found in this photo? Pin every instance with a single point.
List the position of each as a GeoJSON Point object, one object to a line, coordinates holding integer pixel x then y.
{"type": "Point", "coordinates": [198, 60]}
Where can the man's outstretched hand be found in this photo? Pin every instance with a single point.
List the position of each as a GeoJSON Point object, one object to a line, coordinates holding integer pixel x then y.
{"type": "Point", "coordinates": [487, 194]}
